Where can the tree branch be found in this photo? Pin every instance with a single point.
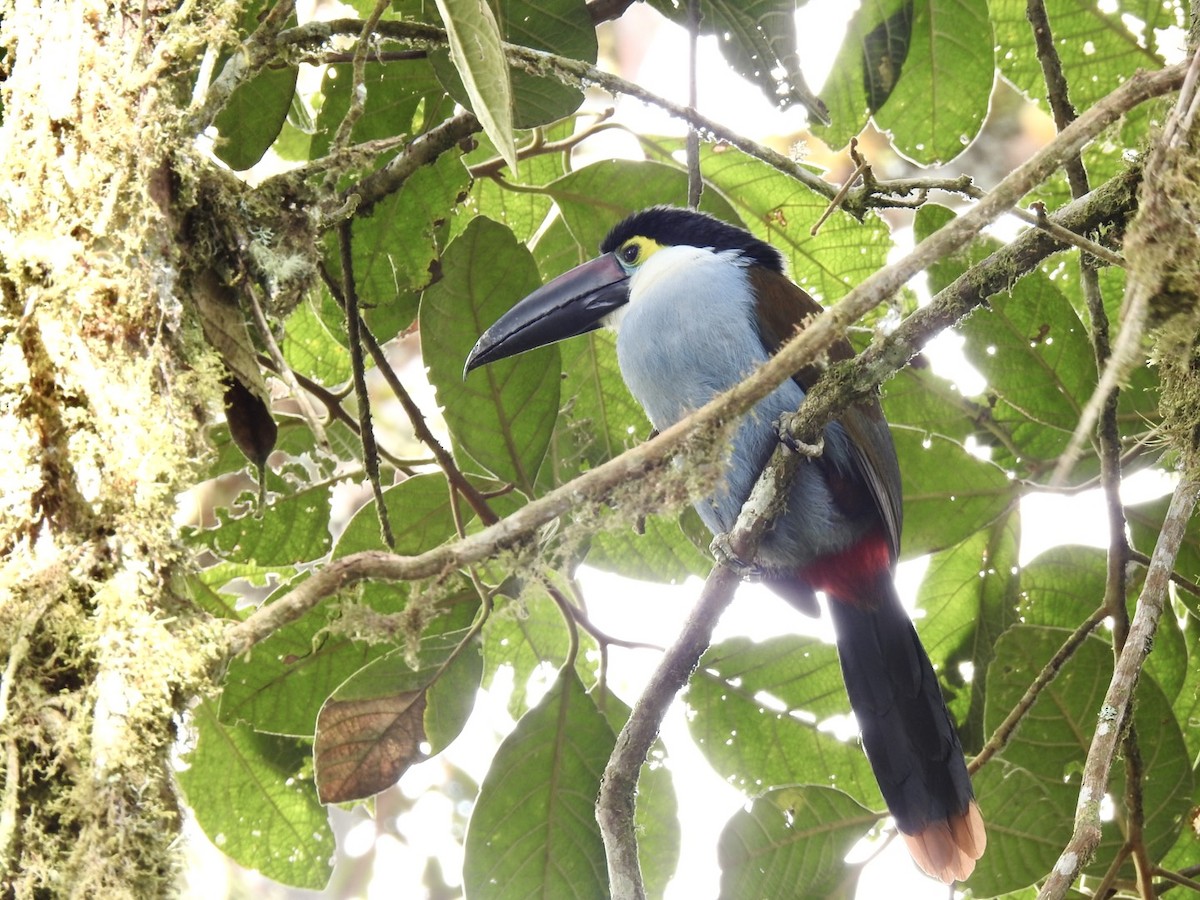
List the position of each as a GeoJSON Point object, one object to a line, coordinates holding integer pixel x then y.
{"type": "Point", "coordinates": [1153, 599]}
{"type": "Point", "coordinates": [616, 802]}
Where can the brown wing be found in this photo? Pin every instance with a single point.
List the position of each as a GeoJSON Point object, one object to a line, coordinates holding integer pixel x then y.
{"type": "Point", "coordinates": [783, 309]}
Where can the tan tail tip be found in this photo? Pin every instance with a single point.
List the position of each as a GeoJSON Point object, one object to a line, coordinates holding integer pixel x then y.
{"type": "Point", "coordinates": [947, 850]}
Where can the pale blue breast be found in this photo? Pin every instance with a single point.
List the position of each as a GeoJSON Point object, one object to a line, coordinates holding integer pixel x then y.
{"type": "Point", "coordinates": [678, 349]}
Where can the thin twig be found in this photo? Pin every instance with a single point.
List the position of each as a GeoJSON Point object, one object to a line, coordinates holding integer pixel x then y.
{"type": "Point", "coordinates": [1006, 729]}
{"type": "Point", "coordinates": [836, 200]}
{"type": "Point", "coordinates": [283, 370]}
{"type": "Point", "coordinates": [358, 369]}
{"type": "Point", "coordinates": [618, 790]}
{"type": "Point", "coordinates": [695, 181]}
{"type": "Point", "coordinates": [454, 476]}
{"type": "Point", "coordinates": [358, 83]}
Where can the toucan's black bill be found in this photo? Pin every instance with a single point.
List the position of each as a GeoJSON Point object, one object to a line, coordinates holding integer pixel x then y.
{"type": "Point", "coordinates": [575, 302]}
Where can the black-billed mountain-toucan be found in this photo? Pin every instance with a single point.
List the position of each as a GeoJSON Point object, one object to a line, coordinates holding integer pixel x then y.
{"type": "Point", "coordinates": [697, 304]}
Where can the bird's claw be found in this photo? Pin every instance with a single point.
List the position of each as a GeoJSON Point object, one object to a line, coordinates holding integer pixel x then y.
{"type": "Point", "coordinates": [784, 432]}
{"type": "Point", "coordinates": [722, 551]}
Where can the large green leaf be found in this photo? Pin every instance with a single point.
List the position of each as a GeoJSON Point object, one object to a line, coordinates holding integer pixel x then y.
{"type": "Point", "coordinates": [595, 198]}
{"type": "Point", "coordinates": [419, 512]}
{"type": "Point", "coordinates": [969, 596]}
{"type": "Point", "coordinates": [1036, 356]}
{"type": "Point", "coordinates": [791, 837]}
{"type": "Point", "coordinates": [503, 414]}
{"type": "Point", "coordinates": [562, 27]}
{"type": "Point", "coordinates": [396, 249]}
{"type": "Point", "coordinates": [935, 67]}
{"type": "Point", "coordinates": [600, 419]}
{"type": "Point", "coordinates": [1098, 50]}
{"type": "Point", "coordinates": [941, 97]}
{"type": "Point", "coordinates": [659, 552]}
{"type": "Point", "coordinates": [289, 529]}
{"type": "Point", "coordinates": [533, 832]}
{"type": "Point", "coordinates": [756, 711]}
{"type": "Point", "coordinates": [782, 211]}
{"type": "Point", "coordinates": [1034, 352]}
{"type": "Point", "coordinates": [475, 50]}
{"type": "Point", "coordinates": [1053, 739]}
{"type": "Point", "coordinates": [948, 493]}
{"type": "Point", "coordinates": [524, 635]}
{"type": "Point", "coordinates": [312, 349]}
{"type": "Point", "coordinates": [250, 794]}
{"type": "Point", "coordinates": [256, 110]}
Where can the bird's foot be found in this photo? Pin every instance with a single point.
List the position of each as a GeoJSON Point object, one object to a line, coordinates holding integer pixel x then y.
{"type": "Point", "coordinates": [722, 551]}
{"type": "Point", "coordinates": [783, 430]}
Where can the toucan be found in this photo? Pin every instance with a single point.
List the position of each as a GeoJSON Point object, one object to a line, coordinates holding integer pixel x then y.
{"type": "Point", "coordinates": [697, 304]}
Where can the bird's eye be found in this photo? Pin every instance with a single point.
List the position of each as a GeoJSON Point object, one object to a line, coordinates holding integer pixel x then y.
{"type": "Point", "coordinates": [630, 253]}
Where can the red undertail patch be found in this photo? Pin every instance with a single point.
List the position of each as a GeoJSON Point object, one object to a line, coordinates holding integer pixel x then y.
{"type": "Point", "coordinates": [852, 575]}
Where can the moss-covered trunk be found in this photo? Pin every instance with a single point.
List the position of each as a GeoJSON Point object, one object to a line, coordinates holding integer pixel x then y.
{"type": "Point", "coordinates": [100, 411]}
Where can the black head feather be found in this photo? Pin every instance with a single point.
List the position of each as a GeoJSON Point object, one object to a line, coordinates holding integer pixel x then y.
{"type": "Point", "coordinates": [671, 226]}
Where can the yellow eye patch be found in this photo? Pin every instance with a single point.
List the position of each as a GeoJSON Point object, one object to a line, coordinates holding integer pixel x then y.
{"type": "Point", "coordinates": [636, 251]}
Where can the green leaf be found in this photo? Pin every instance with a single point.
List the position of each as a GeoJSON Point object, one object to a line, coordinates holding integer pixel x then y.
{"type": "Point", "coordinates": [256, 110]}
{"type": "Point", "coordinates": [533, 832]}
{"type": "Point", "coordinates": [969, 595]}
{"type": "Point", "coordinates": [941, 97]}
{"type": "Point", "coordinates": [948, 493]}
{"type": "Point", "coordinates": [396, 248]}
{"type": "Point", "coordinates": [251, 796]}
{"type": "Point", "coordinates": [939, 91]}
{"type": "Point", "coordinates": [312, 349]}
{"type": "Point", "coordinates": [420, 513]}
{"type": "Point", "coordinates": [921, 400]}
{"type": "Point", "coordinates": [846, 91]}
{"type": "Point", "coordinates": [529, 635]}
{"type": "Point", "coordinates": [599, 418]}
{"type": "Point", "coordinates": [790, 837]}
{"type": "Point", "coordinates": [782, 211]}
{"type": "Point", "coordinates": [1028, 825]}
{"type": "Point", "coordinates": [593, 199]}
{"type": "Point", "coordinates": [1035, 354]}
{"type": "Point", "coordinates": [291, 529]}
{"type": "Point", "coordinates": [662, 552]}
{"type": "Point", "coordinates": [475, 50]}
{"type": "Point", "coordinates": [757, 708]}
{"type": "Point", "coordinates": [1097, 50]}
{"type": "Point", "coordinates": [562, 27]}
{"type": "Point", "coordinates": [503, 414]}
{"type": "Point", "coordinates": [280, 687]}
{"type": "Point", "coordinates": [1053, 739]}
